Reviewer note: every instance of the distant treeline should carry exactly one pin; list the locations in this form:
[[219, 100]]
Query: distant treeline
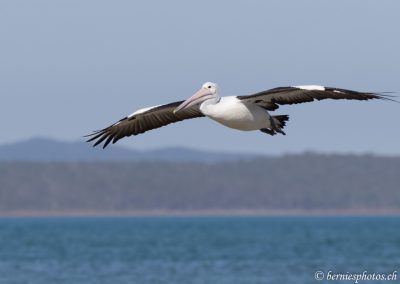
[[302, 182]]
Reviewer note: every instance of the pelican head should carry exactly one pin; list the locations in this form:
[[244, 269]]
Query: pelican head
[[208, 91]]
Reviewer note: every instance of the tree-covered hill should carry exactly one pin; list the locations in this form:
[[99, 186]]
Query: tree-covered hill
[[300, 182]]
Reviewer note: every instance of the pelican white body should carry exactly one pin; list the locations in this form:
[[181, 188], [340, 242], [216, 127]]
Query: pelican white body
[[234, 113]]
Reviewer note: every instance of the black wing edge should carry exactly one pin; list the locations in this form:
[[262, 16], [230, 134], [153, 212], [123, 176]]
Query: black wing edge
[[368, 95], [105, 133], [114, 136]]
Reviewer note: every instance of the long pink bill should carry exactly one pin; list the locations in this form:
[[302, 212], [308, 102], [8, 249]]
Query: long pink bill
[[199, 97]]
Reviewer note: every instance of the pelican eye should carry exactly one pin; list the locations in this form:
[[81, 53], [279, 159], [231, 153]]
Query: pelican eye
[[209, 87]]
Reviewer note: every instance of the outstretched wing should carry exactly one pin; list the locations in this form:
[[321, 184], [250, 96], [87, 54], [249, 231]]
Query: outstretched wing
[[143, 120], [271, 99]]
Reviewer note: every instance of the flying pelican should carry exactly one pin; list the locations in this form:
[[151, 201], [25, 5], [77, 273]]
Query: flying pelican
[[245, 113]]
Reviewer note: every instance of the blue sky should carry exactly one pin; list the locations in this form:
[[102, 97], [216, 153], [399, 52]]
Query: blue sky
[[70, 67]]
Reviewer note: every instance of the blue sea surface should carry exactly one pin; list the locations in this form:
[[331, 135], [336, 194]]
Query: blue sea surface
[[191, 250]]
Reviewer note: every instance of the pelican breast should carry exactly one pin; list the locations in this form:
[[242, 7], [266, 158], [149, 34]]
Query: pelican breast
[[235, 113]]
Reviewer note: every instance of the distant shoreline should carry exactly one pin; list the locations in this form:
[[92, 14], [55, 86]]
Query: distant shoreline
[[199, 213]]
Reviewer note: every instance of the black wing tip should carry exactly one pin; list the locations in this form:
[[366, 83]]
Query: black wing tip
[[384, 96], [98, 137], [380, 96], [366, 95], [101, 136], [105, 133]]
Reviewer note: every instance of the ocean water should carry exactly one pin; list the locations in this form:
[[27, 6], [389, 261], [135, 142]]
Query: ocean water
[[217, 250]]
